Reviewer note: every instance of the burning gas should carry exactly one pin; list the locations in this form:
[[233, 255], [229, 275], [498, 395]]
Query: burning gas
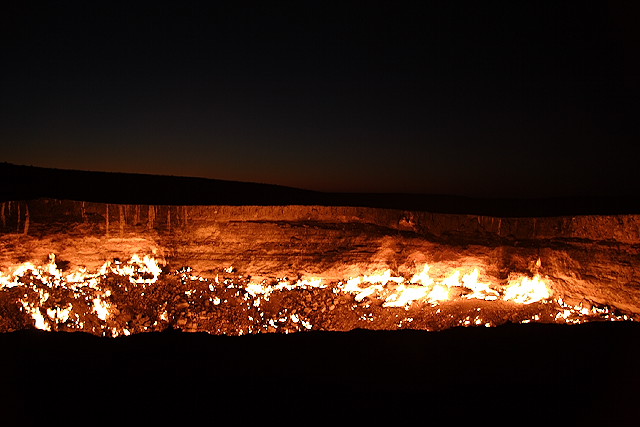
[[143, 294]]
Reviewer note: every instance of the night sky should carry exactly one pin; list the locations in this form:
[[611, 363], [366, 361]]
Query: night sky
[[489, 99]]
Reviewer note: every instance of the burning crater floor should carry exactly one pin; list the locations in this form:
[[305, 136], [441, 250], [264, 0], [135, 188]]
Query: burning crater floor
[[139, 295]]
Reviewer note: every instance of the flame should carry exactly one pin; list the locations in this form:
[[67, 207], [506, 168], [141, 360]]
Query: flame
[[59, 314], [478, 290], [405, 295], [422, 287], [255, 289], [383, 278], [101, 308], [423, 277], [138, 270], [440, 292], [527, 291], [353, 286], [36, 315], [453, 280]]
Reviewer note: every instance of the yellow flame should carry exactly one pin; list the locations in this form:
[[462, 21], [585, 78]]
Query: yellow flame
[[405, 295], [527, 291], [423, 277], [453, 280], [37, 316], [440, 292], [255, 289], [382, 278], [58, 314], [101, 308], [137, 269], [478, 290]]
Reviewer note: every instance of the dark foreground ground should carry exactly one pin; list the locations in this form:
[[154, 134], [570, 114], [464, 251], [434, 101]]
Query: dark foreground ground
[[514, 375]]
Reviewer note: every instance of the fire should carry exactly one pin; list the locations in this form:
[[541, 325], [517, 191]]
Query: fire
[[527, 291], [265, 290], [478, 290], [439, 292], [421, 287], [38, 318], [81, 299], [423, 277], [101, 308], [59, 314], [145, 270], [405, 295], [353, 285]]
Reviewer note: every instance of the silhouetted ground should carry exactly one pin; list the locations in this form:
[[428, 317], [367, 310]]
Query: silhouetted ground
[[514, 374], [28, 182]]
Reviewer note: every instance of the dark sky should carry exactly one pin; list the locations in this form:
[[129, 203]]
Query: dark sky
[[489, 99]]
